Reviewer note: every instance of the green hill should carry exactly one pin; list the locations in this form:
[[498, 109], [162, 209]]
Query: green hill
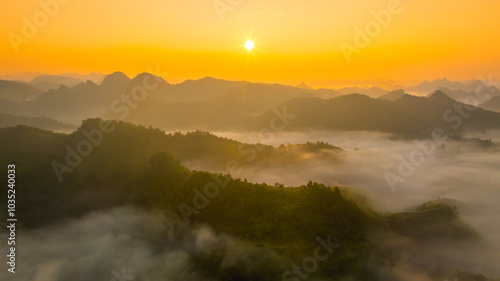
[[134, 165]]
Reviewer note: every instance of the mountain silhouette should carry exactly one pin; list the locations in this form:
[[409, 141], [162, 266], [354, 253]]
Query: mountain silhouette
[[373, 92], [409, 115], [472, 96], [216, 104], [116, 81], [493, 104], [17, 91], [394, 95], [9, 120], [431, 86], [304, 86], [52, 82]]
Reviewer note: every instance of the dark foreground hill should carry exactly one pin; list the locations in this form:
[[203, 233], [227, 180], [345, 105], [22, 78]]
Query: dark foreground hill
[[134, 166]]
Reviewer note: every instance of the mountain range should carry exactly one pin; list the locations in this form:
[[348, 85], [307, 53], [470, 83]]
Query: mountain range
[[426, 87], [11, 91], [409, 115], [216, 104]]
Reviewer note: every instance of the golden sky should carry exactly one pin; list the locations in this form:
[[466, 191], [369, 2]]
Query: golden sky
[[295, 40]]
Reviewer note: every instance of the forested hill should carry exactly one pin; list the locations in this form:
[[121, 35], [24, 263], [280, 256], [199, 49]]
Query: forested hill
[[134, 166]]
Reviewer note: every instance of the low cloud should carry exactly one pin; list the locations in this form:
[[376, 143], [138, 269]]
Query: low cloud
[[128, 244]]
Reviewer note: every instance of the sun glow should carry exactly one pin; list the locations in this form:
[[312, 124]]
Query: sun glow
[[249, 45]]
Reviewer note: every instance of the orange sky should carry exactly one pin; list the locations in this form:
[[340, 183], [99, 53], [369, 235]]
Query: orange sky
[[295, 40]]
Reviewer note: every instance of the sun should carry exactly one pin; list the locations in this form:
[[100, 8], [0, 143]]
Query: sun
[[249, 45]]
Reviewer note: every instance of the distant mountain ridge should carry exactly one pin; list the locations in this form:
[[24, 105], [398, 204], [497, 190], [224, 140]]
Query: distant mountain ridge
[[473, 86], [29, 76], [394, 95], [493, 104], [9, 120], [87, 99], [402, 116], [477, 96], [373, 92], [52, 82], [217, 104], [13, 91]]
